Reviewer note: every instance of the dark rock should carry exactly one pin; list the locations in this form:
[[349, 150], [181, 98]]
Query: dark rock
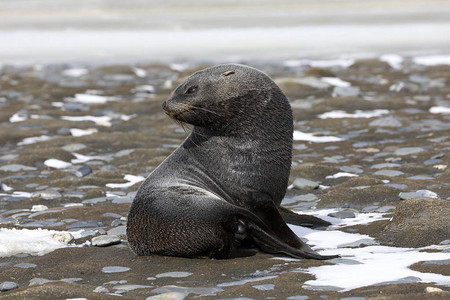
[[342, 215], [83, 171]]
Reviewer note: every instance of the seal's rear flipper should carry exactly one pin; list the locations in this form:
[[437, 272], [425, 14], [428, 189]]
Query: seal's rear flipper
[[268, 243], [293, 218]]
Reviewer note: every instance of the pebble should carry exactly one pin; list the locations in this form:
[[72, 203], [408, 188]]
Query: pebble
[[47, 195], [385, 165], [342, 215], [397, 185], [418, 194], [63, 237], [39, 207], [115, 269], [174, 274], [389, 173], [386, 122], [25, 265], [119, 230], [346, 91], [408, 151], [105, 240], [421, 177], [8, 285], [16, 168], [84, 224], [432, 289], [305, 184], [101, 289], [73, 147], [168, 296], [83, 171], [39, 281]]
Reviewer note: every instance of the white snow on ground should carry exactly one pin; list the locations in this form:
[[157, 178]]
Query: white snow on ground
[[439, 110], [34, 242], [310, 137], [370, 265], [132, 179], [366, 114], [56, 163], [432, 60]]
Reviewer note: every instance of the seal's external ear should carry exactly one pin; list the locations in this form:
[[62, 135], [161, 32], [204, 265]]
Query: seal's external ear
[[227, 73]]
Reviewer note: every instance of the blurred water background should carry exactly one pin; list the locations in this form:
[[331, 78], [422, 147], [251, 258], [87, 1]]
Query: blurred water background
[[104, 31]]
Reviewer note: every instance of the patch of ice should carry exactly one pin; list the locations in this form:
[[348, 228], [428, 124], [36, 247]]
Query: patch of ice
[[34, 242], [371, 262], [17, 118], [432, 60], [101, 120], [81, 132], [178, 67], [343, 63], [75, 72], [91, 99], [310, 137], [377, 264], [339, 114], [32, 140], [342, 174], [132, 179], [440, 110], [56, 163], [5, 188], [127, 117], [335, 81], [394, 60], [140, 72], [80, 158]]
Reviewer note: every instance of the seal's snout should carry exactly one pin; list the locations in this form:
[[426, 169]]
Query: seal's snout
[[164, 105]]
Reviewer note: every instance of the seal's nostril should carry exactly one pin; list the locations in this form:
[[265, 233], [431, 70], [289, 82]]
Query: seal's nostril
[[164, 105]]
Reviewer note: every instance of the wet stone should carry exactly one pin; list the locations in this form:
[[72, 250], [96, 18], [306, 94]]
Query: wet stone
[[348, 91], [83, 171], [119, 230], [351, 169], [85, 224], [385, 165], [47, 195], [408, 151], [305, 184], [16, 168], [115, 269], [389, 173], [25, 265], [8, 285], [432, 289], [73, 147], [421, 177], [386, 122], [101, 289], [105, 240], [418, 194], [342, 215], [397, 185]]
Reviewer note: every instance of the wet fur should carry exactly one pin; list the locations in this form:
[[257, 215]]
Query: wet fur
[[221, 190]]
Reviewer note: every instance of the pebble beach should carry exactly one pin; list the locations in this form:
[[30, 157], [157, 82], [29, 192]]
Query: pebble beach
[[371, 155]]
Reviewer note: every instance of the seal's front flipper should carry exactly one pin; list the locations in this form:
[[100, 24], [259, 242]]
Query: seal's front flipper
[[291, 217]]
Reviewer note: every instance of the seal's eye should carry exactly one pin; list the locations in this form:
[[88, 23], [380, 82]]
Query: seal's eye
[[191, 90]]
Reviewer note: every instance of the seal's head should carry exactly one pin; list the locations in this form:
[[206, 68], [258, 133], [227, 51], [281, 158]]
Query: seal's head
[[224, 95]]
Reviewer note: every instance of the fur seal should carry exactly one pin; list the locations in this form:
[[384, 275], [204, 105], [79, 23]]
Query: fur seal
[[220, 191]]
